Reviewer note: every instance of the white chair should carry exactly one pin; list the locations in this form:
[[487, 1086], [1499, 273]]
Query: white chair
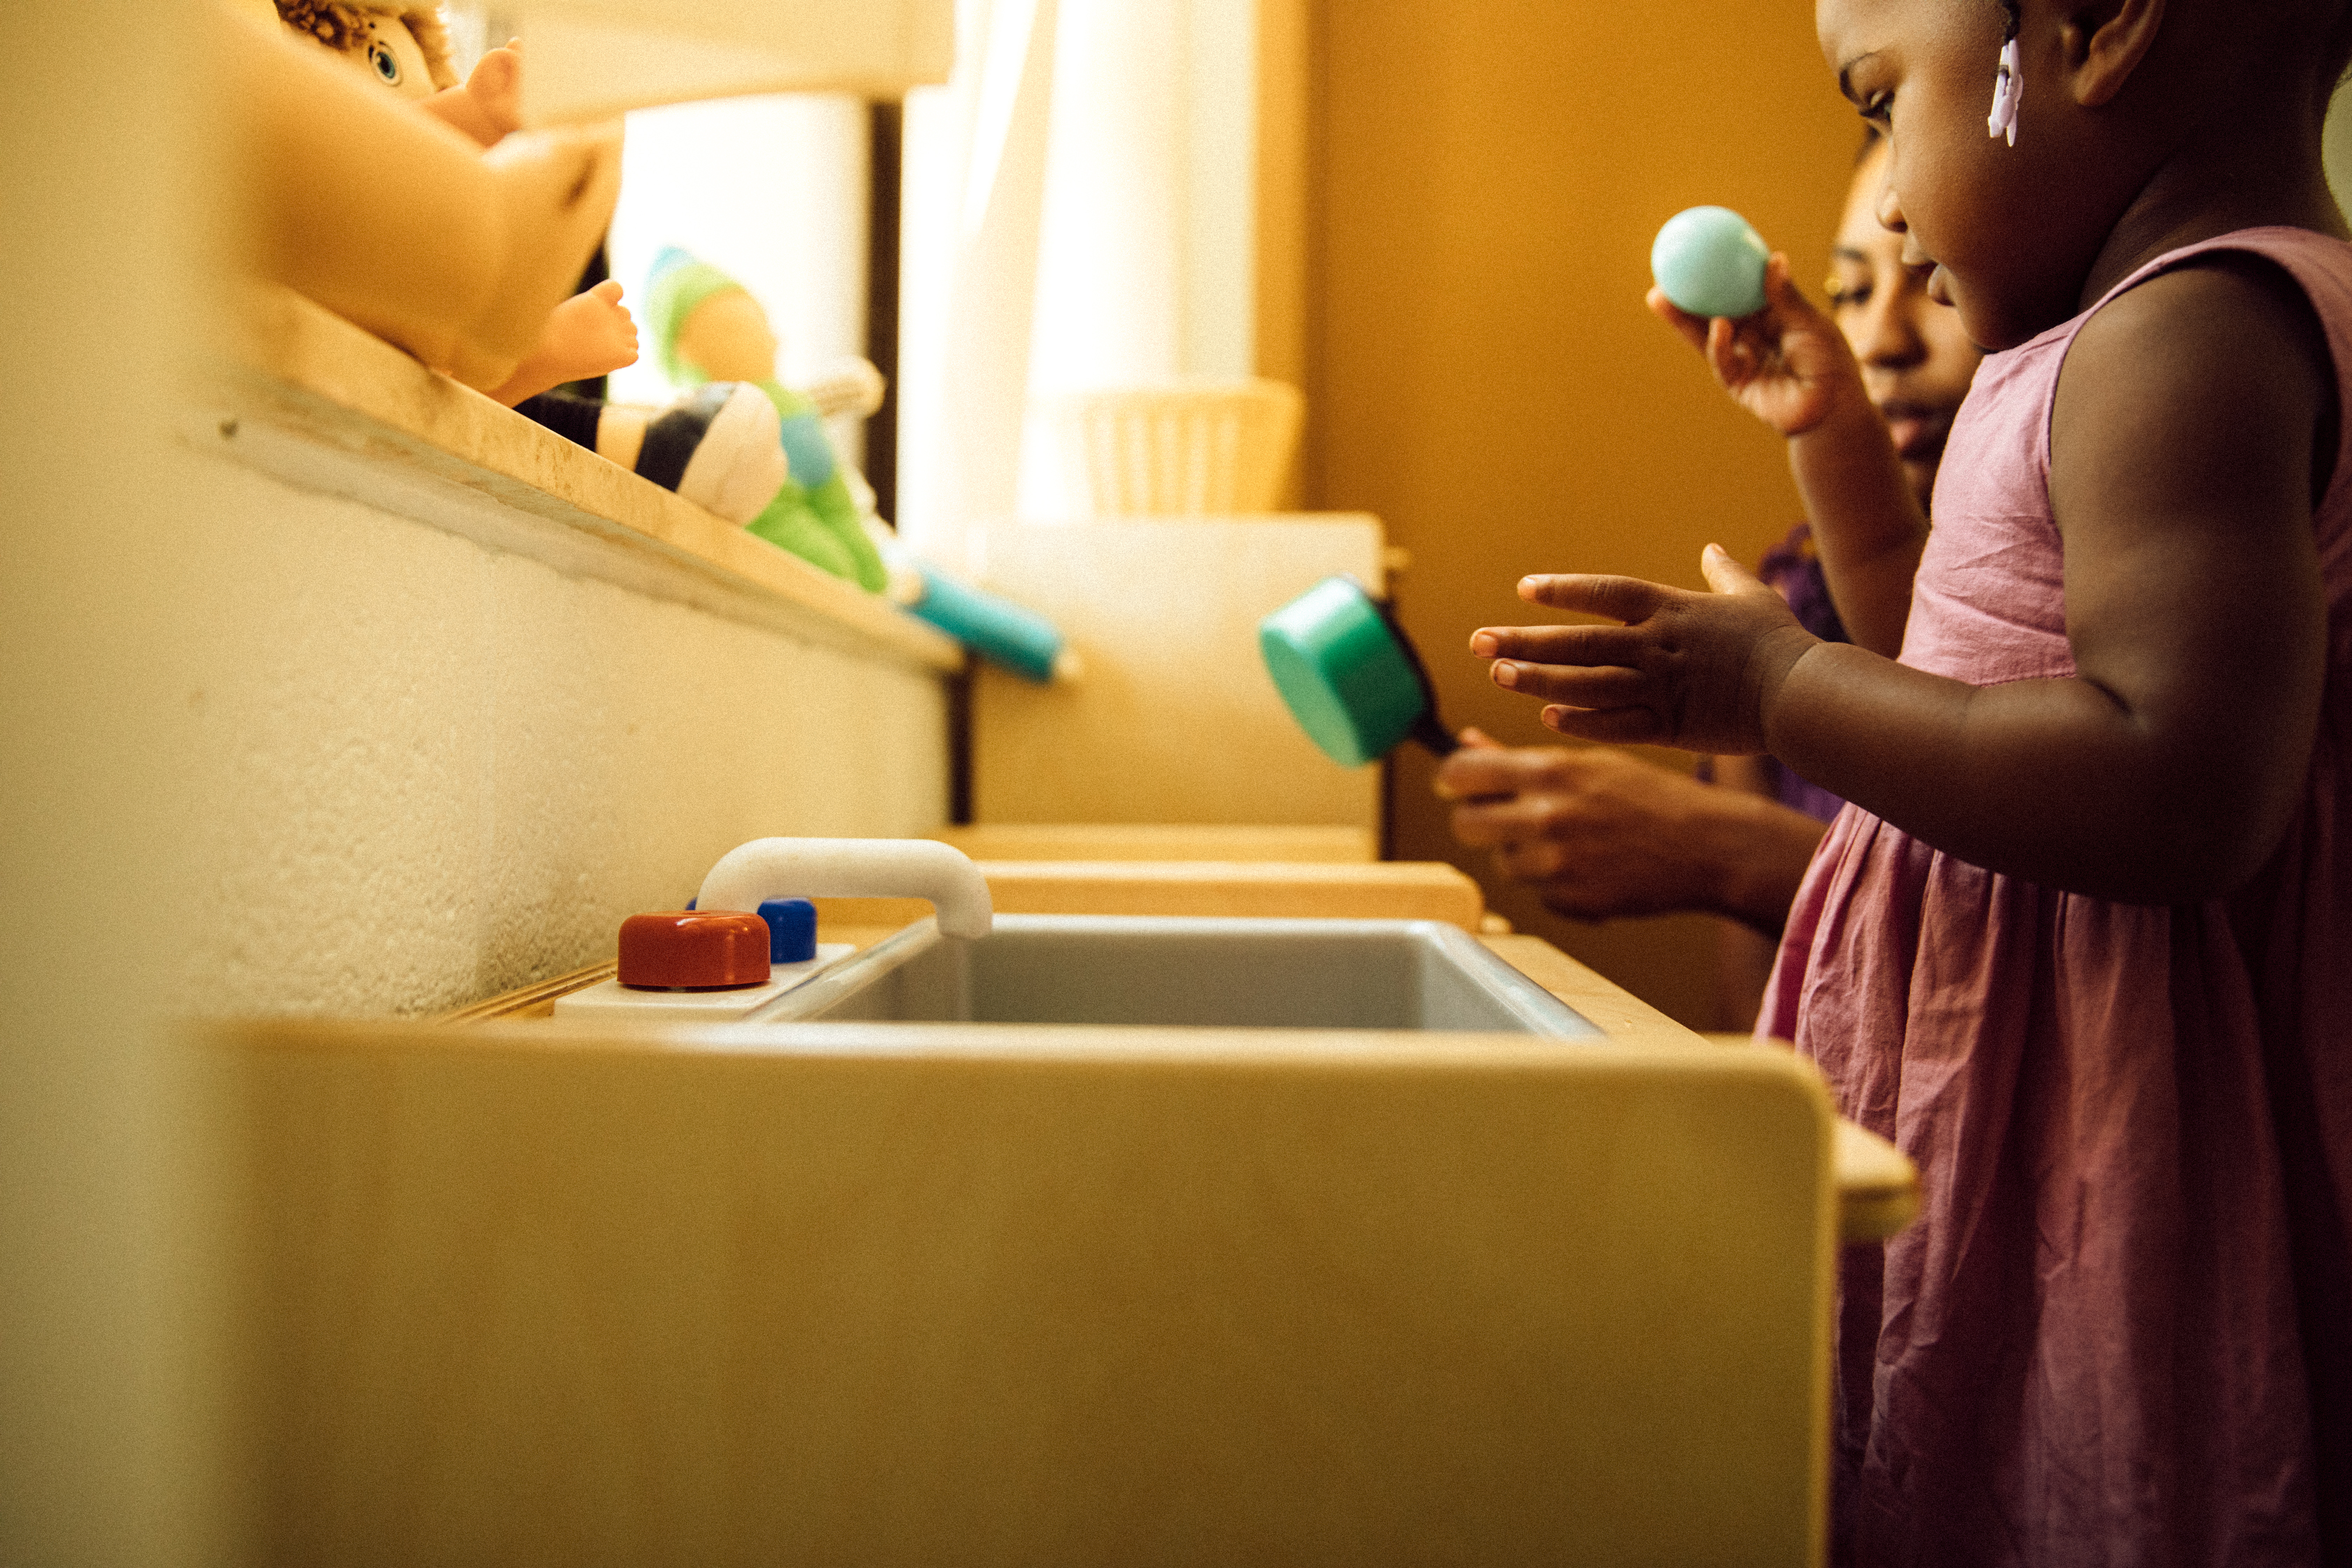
[[1189, 449]]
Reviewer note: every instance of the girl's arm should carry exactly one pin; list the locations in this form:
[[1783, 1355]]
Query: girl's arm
[[2195, 418], [1790, 366]]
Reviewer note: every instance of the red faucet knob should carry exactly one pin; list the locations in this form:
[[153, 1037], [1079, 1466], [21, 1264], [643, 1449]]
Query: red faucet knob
[[687, 950]]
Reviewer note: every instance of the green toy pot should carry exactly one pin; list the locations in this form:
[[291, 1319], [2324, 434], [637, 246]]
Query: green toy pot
[[1349, 674]]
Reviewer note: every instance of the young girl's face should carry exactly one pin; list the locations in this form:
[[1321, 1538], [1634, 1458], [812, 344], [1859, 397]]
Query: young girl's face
[[2012, 258], [1916, 360]]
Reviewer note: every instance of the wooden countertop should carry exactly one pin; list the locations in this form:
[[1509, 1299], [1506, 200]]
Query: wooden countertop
[[1878, 1187]]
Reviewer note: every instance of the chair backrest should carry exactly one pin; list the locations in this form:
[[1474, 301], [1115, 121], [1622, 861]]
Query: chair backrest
[[1179, 450]]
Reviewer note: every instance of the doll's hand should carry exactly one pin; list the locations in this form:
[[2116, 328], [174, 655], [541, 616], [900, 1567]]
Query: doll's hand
[[496, 88], [1694, 670], [1787, 365], [589, 334], [488, 107]]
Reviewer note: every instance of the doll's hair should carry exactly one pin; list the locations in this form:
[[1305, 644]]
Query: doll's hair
[[342, 27]]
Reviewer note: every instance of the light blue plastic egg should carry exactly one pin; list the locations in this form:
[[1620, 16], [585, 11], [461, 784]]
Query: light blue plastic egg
[[1710, 262]]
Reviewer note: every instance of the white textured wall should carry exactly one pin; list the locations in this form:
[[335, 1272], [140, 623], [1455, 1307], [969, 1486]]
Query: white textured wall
[[416, 771], [235, 714]]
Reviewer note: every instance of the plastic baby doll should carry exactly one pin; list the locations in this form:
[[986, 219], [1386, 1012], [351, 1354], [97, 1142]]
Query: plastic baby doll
[[706, 326], [719, 449], [455, 254], [406, 48]]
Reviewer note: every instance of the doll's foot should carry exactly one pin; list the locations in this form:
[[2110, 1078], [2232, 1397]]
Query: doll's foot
[[718, 447], [553, 193]]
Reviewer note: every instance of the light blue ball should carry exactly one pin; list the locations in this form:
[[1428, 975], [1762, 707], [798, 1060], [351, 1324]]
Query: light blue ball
[[1710, 262]]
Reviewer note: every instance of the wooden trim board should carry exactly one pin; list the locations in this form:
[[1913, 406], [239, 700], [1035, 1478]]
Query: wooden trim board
[[299, 383]]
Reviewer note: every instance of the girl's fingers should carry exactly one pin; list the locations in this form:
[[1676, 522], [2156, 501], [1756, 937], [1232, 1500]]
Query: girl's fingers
[[1560, 645], [1612, 726], [1610, 686], [1691, 329], [1623, 599], [1722, 353], [1783, 296], [1725, 575], [1487, 824], [1485, 771]]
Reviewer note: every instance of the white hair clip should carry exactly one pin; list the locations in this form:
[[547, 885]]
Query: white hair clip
[[2008, 89]]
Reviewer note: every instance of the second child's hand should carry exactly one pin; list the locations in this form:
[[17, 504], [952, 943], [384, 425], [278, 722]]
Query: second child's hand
[[1680, 668], [1787, 365]]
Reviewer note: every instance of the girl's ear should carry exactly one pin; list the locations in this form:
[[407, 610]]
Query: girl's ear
[[2102, 43]]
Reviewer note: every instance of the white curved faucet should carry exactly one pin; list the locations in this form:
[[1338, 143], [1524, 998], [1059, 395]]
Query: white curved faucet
[[852, 868]]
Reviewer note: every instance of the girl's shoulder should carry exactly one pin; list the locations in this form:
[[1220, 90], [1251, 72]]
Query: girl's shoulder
[[2015, 395], [2320, 262]]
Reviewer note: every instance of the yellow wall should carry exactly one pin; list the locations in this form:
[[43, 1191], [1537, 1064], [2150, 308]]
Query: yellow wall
[[1487, 177]]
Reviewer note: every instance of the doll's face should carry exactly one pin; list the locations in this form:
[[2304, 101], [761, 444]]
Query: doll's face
[[388, 52], [391, 54]]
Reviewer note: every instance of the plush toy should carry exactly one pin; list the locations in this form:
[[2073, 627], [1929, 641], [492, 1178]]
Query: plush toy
[[705, 327], [719, 448], [702, 323]]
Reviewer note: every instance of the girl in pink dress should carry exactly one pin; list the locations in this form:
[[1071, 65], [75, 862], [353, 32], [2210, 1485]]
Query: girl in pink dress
[[2083, 942]]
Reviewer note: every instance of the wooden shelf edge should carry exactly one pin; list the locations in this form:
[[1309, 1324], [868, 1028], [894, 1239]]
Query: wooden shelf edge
[[314, 371]]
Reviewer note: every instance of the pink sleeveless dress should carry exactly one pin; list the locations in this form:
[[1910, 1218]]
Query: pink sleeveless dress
[[2120, 1331]]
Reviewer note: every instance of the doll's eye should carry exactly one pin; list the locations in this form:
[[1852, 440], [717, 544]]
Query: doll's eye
[[386, 64]]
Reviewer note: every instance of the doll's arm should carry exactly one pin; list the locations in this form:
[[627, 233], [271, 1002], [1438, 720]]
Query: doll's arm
[[487, 108], [1790, 367], [588, 335], [456, 255]]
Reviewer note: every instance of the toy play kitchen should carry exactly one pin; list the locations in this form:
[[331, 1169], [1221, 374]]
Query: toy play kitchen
[[1049, 1237]]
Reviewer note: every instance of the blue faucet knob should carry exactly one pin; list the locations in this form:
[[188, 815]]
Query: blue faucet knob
[[791, 930]]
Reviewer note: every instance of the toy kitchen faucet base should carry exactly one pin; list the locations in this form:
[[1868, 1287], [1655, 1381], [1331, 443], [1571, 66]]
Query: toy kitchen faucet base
[[751, 937]]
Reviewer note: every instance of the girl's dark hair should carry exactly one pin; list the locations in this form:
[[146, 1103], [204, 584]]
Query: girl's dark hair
[[2335, 49], [2009, 28]]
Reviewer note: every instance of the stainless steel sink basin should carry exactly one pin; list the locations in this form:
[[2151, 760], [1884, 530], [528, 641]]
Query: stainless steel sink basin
[[1220, 974]]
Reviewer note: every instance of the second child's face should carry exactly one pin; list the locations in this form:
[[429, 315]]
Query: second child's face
[[1916, 360], [2007, 252]]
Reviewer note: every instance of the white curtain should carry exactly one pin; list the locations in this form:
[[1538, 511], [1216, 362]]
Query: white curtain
[[1080, 208], [974, 185]]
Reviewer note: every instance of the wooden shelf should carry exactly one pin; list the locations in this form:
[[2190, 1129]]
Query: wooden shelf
[[295, 382]]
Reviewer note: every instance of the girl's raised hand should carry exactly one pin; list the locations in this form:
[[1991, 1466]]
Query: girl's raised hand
[[1787, 365], [1694, 670]]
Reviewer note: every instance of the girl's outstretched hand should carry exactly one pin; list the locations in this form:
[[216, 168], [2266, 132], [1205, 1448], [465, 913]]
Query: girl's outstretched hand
[[1694, 670], [1787, 365]]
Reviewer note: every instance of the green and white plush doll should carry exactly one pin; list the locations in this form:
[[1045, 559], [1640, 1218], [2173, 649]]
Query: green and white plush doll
[[704, 327]]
